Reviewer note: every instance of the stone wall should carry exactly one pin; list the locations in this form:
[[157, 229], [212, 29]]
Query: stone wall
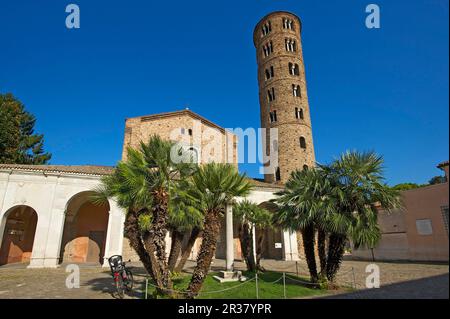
[[290, 127], [211, 142]]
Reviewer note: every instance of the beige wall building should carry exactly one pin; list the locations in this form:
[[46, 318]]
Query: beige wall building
[[208, 141], [212, 143], [419, 232]]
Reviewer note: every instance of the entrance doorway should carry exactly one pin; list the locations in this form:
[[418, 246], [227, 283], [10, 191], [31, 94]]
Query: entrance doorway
[[85, 230], [18, 235]]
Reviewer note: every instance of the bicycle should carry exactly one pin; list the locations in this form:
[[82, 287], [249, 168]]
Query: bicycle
[[123, 277]]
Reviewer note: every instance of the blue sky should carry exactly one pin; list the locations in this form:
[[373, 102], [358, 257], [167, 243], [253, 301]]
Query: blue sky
[[384, 90]]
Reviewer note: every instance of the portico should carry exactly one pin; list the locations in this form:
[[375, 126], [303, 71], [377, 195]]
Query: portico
[[49, 191], [69, 228]]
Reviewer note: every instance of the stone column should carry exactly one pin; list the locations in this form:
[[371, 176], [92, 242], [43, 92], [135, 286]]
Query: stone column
[[54, 239], [290, 247], [114, 235], [229, 237], [254, 241]]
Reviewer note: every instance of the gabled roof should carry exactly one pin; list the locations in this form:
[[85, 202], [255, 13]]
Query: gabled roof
[[178, 113]]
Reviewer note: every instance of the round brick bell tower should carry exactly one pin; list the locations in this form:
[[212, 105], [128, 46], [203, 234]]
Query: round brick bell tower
[[282, 93]]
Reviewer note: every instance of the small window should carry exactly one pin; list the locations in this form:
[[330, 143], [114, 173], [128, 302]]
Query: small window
[[277, 174], [268, 49], [288, 24], [424, 227], [299, 113], [271, 94], [305, 167], [294, 69], [266, 28], [296, 90], [444, 210], [190, 132], [290, 45], [302, 142], [269, 73], [273, 116]]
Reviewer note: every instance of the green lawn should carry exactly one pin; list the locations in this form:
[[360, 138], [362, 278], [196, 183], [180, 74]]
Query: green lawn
[[267, 288]]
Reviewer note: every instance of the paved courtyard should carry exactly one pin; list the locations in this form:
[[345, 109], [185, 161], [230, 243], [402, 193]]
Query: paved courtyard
[[398, 280]]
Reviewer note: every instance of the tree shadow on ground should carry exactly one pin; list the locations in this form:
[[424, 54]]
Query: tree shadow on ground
[[105, 284]]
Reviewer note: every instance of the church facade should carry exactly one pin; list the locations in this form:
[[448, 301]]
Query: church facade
[[46, 217]]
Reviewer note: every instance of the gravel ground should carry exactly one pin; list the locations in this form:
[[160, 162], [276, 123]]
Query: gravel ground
[[398, 280]]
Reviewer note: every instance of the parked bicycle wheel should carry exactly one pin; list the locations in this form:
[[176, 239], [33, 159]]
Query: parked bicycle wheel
[[128, 282], [120, 287]]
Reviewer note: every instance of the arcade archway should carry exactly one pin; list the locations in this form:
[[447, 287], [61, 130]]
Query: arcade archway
[[270, 238], [18, 235], [85, 230]]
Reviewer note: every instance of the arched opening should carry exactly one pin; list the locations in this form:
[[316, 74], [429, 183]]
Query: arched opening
[[277, 174], [85, 228], [302, 142], [270, 239], [18, 236]]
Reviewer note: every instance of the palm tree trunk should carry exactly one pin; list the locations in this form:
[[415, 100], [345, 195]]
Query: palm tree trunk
[[321, 247], [336, 248], [175, 248], [157, 276], [259, 242], [308, 244], [158, 233], [145, 252], [187, 250], [246, 239], [132, 232], [206, 254]]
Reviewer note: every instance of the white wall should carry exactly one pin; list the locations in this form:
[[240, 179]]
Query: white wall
[[48, 195]]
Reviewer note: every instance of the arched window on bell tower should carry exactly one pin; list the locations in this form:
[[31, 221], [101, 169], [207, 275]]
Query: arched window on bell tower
[[277, 174], [302, 142]]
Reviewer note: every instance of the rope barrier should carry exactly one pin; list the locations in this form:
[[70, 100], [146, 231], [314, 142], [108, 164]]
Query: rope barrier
[[274, 282], [284, 277], [303, 282], [201, 293], [226, 289]]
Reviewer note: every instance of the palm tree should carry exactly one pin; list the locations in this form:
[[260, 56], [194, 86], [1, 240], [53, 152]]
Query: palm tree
[[302, 207], [212, 187], [251, 216], [184, 220], [142, 184], [358, 188], [116, 186], [339, 201]]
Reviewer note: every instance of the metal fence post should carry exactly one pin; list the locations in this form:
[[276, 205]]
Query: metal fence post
[[284, 285], [256, 281], [146, 287], [296, 267], [354, 278]]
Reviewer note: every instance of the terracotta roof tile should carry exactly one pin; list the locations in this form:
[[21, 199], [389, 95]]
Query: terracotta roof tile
[[74, 169], [99, 171]]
